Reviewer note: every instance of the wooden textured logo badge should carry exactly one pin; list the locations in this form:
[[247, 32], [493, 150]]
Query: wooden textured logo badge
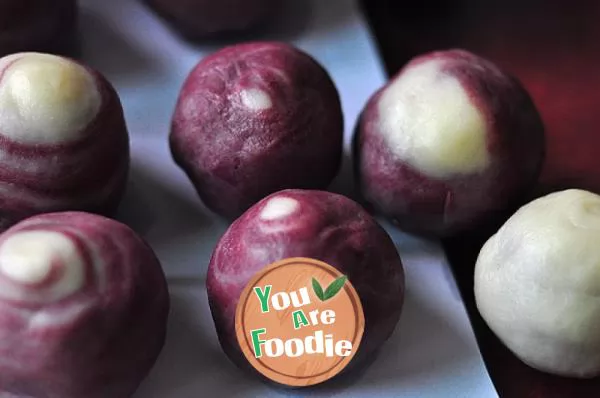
[[299, 322]]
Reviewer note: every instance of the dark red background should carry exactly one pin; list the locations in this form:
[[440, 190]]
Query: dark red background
[[553, 46]]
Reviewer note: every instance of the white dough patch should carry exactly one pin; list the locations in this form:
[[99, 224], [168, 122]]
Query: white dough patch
[[27, 257], [428, 120], [256, 99], [537, 283], [46, 99], [279, 207], [46, 319]]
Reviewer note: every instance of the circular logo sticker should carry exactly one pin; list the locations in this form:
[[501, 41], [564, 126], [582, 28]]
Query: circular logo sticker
[[299, 322]]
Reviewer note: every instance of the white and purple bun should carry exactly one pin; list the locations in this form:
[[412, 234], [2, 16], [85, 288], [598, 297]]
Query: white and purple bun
[[253, 119], [450, 140], [315, 224], [64, 143], [38, 25], [83, 308], [200, 19]]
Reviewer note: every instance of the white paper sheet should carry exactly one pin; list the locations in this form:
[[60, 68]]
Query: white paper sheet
[[433, 352]]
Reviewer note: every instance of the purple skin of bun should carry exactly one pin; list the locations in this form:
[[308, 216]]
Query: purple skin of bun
[[63, 139], [83, 308], [38, 25], [253, 119], [199, 19], [448, 142], [315, 224]]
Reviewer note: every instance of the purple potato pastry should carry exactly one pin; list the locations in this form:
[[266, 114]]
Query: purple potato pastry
[[64, 144], [447, 142], [253, 119], [315, 224], [83, 308], [38, 25], [199, 19]]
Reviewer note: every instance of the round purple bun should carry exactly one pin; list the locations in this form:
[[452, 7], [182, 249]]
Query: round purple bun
[[315, 224], [447, 142], [64, 144], [253, 119], [38, 25], [199, 19], [83, 308]]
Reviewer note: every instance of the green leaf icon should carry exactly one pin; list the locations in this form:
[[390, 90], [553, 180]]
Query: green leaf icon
[[318, 289], [335, 287]]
